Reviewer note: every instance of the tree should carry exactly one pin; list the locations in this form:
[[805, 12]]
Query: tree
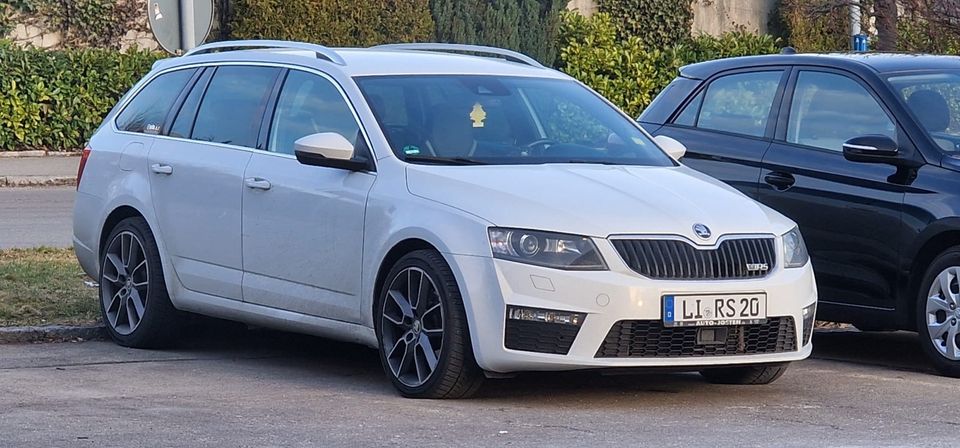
[[886, 12]]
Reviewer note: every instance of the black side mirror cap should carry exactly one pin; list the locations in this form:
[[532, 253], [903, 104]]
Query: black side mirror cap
[[873, 149], [314, 159]]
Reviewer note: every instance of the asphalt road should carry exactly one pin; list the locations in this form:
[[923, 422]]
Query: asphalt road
[[31, 217], [253, 388]]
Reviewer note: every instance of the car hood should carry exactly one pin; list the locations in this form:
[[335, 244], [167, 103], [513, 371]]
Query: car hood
[[596, 200]]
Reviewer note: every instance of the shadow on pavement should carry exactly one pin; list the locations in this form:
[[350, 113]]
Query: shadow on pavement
[[889, 350], [893, 349]]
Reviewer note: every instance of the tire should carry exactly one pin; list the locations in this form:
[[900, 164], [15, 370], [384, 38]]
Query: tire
[[929, 315], [125, 277], [750, 375], [435, 317]]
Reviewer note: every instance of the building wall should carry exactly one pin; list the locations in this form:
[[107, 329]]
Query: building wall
[[712, 16], [718, 16]]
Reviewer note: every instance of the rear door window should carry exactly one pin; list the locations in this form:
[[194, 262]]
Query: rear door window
[[146, 111], [738, 103], [232, 108]]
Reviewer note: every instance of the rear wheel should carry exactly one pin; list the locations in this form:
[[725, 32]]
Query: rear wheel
[[133, 296], [765, 374], [938, 313], [425, 344]]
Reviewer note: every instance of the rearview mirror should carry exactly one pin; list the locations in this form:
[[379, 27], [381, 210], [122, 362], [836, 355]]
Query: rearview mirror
[[872, 149], [328, 149], [674, 149]]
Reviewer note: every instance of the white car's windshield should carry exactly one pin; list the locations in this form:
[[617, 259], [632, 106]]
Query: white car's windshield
[[464, 119], [934, 99]]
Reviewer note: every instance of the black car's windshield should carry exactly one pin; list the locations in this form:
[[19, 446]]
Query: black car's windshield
[[934, 99], [468, 119]]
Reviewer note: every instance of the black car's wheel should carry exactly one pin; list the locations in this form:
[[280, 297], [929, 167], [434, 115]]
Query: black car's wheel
[[938, 312], [133, 297], [764, 374], [422, 327]]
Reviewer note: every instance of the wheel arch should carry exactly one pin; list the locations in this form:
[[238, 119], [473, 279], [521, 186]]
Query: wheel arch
[[115, 217], [393, 255], [938, 238]]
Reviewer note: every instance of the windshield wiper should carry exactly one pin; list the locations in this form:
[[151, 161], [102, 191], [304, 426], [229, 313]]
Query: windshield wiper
[[444, 160], [588, 161]]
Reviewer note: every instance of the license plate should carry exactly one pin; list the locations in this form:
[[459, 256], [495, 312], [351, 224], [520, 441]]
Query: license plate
[[714, 310]]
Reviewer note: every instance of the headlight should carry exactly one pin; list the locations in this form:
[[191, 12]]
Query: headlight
[[794, 250], [554, 250]]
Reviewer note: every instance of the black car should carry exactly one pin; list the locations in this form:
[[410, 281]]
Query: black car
[[863, 151]]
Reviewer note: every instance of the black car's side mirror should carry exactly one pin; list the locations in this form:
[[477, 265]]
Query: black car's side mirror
[[872, 149]]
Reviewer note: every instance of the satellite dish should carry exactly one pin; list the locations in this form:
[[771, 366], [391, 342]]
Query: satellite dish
[[180, 25]]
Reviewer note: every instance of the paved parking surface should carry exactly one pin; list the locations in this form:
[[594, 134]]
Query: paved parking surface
[[251, 388]]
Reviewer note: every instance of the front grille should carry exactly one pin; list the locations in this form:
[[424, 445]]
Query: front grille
[[650, 339], [680, 260], [539, 337]]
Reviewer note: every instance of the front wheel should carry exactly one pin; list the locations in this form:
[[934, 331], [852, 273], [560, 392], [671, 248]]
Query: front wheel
[[938, 313], [752, 375], [425, 344]]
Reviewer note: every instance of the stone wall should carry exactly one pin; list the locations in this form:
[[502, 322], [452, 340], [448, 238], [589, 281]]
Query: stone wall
[[36, 32]]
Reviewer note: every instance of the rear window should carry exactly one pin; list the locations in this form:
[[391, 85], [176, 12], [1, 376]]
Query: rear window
[[146, 111]]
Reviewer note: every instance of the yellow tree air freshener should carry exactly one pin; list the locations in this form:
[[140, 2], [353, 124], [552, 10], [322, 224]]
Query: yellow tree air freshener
[[478, 115]]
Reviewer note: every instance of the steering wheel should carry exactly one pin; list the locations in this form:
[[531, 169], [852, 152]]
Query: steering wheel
[[543, 143]]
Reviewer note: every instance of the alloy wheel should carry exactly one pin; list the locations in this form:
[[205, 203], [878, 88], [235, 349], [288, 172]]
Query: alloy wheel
[[124, 283], [943, 313], [412, 326]]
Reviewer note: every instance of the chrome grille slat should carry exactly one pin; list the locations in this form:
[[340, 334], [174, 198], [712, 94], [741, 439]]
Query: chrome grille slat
[[670, 259]]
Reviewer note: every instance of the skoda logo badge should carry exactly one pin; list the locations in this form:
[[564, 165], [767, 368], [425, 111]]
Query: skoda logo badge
[[701, 230]]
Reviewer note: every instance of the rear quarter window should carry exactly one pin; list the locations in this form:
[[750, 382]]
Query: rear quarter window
[[147, 110], [739, 103]]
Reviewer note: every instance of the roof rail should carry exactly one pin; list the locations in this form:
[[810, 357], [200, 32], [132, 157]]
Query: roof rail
[[509, 55], [321, 51]]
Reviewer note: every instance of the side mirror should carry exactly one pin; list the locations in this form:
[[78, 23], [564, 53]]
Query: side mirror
[[675, 149], [328, 149], [872, 149]]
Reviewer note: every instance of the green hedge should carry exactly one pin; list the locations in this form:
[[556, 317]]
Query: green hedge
[[630, 73], [348, 23], [528, 26], [54, 100]]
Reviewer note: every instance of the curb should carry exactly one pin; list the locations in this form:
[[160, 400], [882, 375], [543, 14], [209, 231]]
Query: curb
[[37, 153], [51, 333], [37, 181]]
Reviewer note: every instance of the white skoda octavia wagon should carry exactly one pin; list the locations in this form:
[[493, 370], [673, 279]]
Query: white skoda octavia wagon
[[464, 210]]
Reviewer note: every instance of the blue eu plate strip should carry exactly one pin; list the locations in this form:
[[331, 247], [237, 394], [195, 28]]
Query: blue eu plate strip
[[668, 308]]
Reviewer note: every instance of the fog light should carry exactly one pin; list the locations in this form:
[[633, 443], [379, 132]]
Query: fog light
[[809, 317], [544, 316]]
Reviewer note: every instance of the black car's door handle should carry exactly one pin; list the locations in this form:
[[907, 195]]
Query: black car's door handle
[[780, 181]]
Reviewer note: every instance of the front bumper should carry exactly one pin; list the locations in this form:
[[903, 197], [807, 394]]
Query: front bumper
[[489, 285]]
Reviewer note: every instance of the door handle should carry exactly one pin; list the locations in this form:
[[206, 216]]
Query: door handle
[[257, 183], [160, 168], [780, 181]]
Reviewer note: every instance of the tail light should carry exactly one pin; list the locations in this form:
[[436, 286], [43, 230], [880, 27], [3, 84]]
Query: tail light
[[83, 164]]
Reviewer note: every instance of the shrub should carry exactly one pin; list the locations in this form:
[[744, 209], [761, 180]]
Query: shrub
[[528, 26], [656, 23], [816, 25], [332, 22], [630, 73], [55, 99]]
